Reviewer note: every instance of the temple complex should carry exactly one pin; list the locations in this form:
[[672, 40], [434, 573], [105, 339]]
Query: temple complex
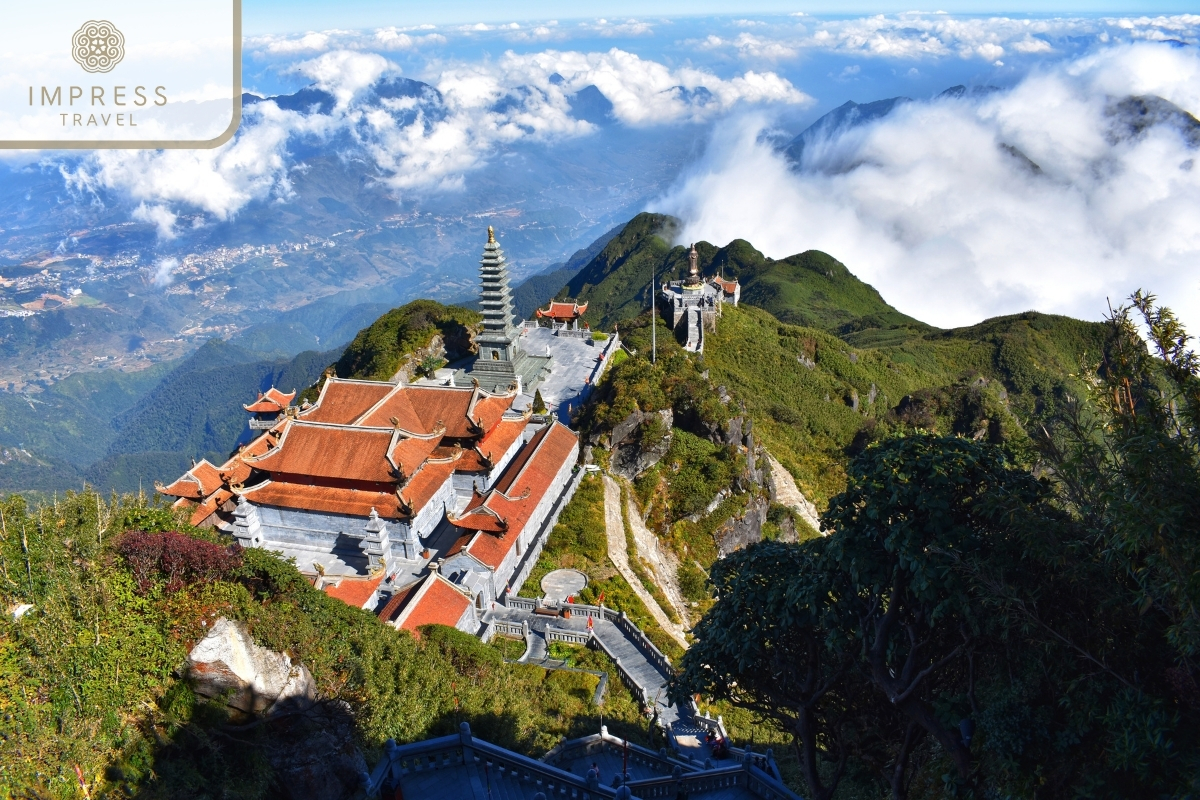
[[423, 502], [693, 305]]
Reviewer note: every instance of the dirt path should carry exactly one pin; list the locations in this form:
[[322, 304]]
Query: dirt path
[[663, 564], [789, 494], [614, 526]]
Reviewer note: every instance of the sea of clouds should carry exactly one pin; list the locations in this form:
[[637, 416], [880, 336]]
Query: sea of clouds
[[931, 205], [927, 204]]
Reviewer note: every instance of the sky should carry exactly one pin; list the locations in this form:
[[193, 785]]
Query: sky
[[288, 16], [1033, 191]]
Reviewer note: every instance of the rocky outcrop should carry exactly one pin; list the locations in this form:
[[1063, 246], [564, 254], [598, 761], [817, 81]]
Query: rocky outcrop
[[227, 665], [738, 532], [783, 490], [640, 441], [316, 757]]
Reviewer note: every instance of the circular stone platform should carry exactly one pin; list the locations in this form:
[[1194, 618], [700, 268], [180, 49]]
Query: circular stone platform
[[563, 583]]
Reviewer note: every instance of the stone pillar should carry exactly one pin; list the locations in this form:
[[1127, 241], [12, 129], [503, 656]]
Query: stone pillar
[[406, 544], [376, 544], [247, 529]]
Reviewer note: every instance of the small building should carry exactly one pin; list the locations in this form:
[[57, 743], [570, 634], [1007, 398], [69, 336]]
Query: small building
[[267, 409], [564, 318], [693, 305]]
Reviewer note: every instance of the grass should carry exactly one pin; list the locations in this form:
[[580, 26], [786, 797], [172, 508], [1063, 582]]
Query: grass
[[639, 568], [89, 678], [579, 541]]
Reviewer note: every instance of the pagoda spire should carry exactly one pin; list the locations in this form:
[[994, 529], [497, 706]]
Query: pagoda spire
[[496, 298]]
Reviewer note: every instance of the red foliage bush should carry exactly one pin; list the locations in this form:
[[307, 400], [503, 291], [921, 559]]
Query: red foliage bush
[[176, 558]]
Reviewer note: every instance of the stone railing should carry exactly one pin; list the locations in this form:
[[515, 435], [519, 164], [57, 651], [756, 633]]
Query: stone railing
[[524, 603], [748, 777], [653, 654], [554, 634], [573, 749], [690, 782], [503, 628], [463, 750], [626, 676]]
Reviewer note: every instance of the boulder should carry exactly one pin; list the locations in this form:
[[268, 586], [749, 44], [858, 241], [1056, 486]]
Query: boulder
[[632, 453], [227, 664]]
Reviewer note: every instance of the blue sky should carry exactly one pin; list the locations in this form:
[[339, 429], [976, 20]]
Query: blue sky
[[288, 16]]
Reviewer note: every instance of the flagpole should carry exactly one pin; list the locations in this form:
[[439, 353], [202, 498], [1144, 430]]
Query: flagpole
[[653, 321]]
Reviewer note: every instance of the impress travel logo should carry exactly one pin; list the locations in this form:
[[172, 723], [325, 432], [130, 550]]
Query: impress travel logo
[[98, 46], [168, 77]]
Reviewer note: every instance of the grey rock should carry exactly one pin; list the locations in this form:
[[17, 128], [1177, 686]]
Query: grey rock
[[228, 665], [635, 455], [738, 532]]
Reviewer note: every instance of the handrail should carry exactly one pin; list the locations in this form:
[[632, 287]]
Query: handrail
[[571, 749], [462, 748]]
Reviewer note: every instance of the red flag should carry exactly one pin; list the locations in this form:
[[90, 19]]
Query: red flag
[[600, 599]]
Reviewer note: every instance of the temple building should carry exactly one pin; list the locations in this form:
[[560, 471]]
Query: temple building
[[502, 362], [424, 503], [693, 305], [565, 318], [268, 407]]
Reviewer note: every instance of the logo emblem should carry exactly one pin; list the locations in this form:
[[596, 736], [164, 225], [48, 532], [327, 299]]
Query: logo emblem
[[98, 46]]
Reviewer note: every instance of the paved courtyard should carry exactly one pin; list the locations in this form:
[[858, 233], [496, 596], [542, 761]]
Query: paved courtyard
[[577, 364]]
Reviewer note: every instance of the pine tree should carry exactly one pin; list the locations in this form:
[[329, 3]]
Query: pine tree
[[539, 405]]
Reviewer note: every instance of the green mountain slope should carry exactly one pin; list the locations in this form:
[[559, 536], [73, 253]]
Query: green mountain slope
[[537, 290], [809, 288], [819, 360], [197, 409], [383, 347], [616, 282]]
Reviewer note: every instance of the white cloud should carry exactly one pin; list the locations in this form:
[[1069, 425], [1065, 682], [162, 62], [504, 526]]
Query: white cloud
[[344, 74], [164, 271], [918, 35], [158, 215], [645, 92], [417, 143], [932, 207]]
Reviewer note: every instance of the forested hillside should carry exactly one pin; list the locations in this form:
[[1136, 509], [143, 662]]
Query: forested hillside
[[123, 431]]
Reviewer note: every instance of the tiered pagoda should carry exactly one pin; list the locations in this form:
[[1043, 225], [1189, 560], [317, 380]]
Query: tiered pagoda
[[502, 363]]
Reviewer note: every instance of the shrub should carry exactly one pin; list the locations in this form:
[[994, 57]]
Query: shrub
[[175, 558]]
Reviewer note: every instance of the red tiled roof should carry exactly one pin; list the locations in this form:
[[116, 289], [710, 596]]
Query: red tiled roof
[[505, 510], [420, 409], [398, 601], [727, 285], [342, 402], [328, 451], [563, 310], [197, 483], [355, 592], [270, 401], [185, 486], [410, 454], [422, 486], [438, 602], [333, 500]]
